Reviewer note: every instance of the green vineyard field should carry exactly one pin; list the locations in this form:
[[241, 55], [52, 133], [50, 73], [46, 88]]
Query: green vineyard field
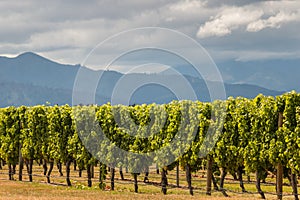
[[239, 138]]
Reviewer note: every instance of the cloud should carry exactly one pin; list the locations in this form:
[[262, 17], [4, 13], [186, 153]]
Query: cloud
[[66, 31], [273, 22], [238, 3], [254, 16], [61, 26], [187, 6], [230, 19]]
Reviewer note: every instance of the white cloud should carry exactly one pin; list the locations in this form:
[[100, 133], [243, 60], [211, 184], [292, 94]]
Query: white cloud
[[254, 17], [230, 19], [188, 5], [273, 22]]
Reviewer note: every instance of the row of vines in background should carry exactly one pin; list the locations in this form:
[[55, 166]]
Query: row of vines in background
[[259, 135]]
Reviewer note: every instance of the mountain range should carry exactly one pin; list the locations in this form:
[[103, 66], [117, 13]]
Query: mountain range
[[274, 74], [31, 79]]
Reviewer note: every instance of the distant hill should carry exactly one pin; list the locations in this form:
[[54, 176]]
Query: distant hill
[[30, 79], [30, 68], [275, 74]]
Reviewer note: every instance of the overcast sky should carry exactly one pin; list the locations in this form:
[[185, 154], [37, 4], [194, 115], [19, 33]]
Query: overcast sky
[[66, 31]]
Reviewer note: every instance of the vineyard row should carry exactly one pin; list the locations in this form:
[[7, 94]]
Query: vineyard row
[[237, 136]]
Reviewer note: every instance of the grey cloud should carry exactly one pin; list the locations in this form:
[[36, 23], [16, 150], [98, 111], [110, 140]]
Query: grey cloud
[[67, 30], [217, 3]]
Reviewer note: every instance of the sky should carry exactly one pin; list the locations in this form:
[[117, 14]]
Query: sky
[[67, 31]]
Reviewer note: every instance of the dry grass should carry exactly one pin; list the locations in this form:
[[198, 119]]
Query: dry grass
[[123, 189], [24, 190]]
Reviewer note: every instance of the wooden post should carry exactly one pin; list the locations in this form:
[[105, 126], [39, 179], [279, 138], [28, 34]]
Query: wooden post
[[10, 172], [75, 164], [136, 188], [112, 178], [89, 174], [157, 169], [80, 173], [279, 181], [93, 171], [280, 119], [209, 175], [177, 175], [21, 164], [279, 175], [30, 169], [189, 178]]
